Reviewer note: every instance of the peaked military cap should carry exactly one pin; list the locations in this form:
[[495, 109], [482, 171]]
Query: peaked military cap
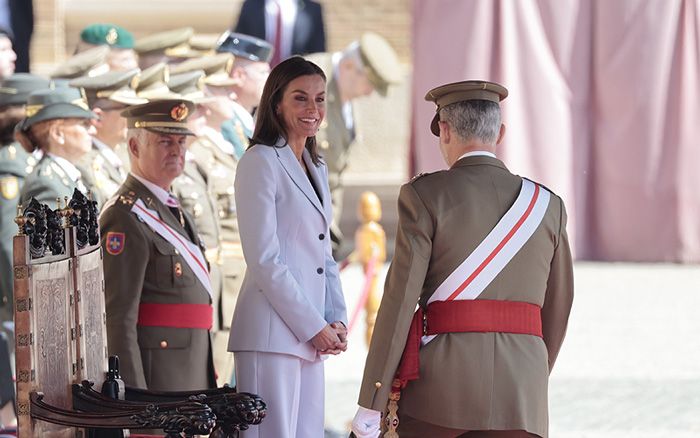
[[117, 86], [462, 91], [245, 46], [101, 34], [168, 116], [58, 103], [380, 60], [91, 62], [190, 86], [152, 83], [216, 67], [15, 89], [172, 42]]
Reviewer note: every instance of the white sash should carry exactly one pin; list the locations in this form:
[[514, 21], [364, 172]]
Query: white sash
[[515, 228], [189, 251]]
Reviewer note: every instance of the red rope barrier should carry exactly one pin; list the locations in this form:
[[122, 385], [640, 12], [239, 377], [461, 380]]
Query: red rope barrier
[[369, 276]]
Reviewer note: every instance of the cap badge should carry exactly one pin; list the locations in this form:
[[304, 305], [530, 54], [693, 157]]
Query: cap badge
[[111, 36], [179, 112]]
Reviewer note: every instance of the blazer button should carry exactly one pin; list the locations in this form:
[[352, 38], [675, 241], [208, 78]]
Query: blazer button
[[378, 384], [319, 270], [321, 236], [163, 344]]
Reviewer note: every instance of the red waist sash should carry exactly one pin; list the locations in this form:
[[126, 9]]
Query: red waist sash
[[459, 316], [196, 316]]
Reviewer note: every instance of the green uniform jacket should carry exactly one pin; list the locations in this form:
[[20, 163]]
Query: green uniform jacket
[[15, 165], [47, 182], [471, 381], [147, 268]]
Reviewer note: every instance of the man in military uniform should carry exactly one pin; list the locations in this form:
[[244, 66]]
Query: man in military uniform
[[250, 71], [366, 65], [215, 157], [167, 47], [157, 286], [107, 96], [120, 41], [485, 255], [15, 165]]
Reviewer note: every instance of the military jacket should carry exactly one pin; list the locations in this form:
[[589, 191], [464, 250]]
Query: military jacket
[[102, 177], [237, 132], [471, 381], [49, 181], [140, 266], [15, 165]]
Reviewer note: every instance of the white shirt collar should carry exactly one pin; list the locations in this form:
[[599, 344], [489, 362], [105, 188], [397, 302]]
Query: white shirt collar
[[477, 154], [160, 194], [68, 167]]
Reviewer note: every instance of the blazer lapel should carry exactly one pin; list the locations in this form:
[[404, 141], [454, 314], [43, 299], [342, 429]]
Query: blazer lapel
[[153, 203], [296, 173]]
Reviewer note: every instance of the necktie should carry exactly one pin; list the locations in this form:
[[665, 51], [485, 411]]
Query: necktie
[[174, 207], [277, 55]]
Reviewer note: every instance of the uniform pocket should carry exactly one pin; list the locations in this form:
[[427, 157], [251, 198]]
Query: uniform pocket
[[171, 268], [164, 338]]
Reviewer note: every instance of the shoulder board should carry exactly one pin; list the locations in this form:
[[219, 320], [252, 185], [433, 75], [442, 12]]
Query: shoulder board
[[420, 175], [127, 199], [540, 184]]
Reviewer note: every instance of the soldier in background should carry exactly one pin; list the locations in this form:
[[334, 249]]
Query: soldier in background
[[15, 165], [250, 71], [120, 41], [107, 96], [58, 124], [157, 286], [215, 157], [91, 62], [167, 47], [366, 65]]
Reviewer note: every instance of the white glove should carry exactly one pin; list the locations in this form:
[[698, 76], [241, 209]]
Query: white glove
[[366, 423]]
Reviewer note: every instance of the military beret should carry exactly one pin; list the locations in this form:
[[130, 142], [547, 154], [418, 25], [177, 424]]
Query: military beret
[[245, 46], [380, 60], [117, 86], [152, 83], [59, 103], [111, 35], [462, 91], [171, 42], [15, 89], [168, 116], [90, 62], [216, 67], [190, 86]]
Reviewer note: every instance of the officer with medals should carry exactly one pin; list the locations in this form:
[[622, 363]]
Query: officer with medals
[[58, 125], [158, 293], [107, 96], [15, 165], [250, 71], [366, 65], [485, 255], [215, 157]]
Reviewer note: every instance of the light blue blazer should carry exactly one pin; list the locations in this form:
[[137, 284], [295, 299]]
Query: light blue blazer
[[291, 288]]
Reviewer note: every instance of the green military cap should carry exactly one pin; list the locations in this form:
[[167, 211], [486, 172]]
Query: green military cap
[[167, 116], [462, 91], [216, 67], [117, 86], [15, 89], [111, 35], [58, 103], [190, 86], [172, 42], [91, 62], [152, 83], [380, 60]]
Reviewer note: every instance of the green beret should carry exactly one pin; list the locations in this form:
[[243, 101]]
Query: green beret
[[462, 91], [380, 60], [59, 103], [117, 86], [107, 34], [168, 116], [90, 62], [15, 89]]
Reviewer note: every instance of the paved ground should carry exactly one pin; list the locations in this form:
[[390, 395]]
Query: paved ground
[[629, 367]]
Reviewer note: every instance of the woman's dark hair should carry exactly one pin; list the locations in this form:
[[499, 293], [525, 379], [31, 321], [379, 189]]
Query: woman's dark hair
[[268, 125]]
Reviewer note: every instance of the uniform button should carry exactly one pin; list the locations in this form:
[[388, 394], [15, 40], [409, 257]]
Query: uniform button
[[378, 384], [321, 236], [163, 344], [319, 270]]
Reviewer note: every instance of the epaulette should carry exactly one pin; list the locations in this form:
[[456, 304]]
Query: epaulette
[[127, 199], [540, 184], [420, 175]]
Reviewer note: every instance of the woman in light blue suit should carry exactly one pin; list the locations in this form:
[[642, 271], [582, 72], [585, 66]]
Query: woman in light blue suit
[[291, 309]]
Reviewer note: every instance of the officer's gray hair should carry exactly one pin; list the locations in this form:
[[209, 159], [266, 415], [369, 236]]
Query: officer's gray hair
[[474, 120], [137, 133]]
